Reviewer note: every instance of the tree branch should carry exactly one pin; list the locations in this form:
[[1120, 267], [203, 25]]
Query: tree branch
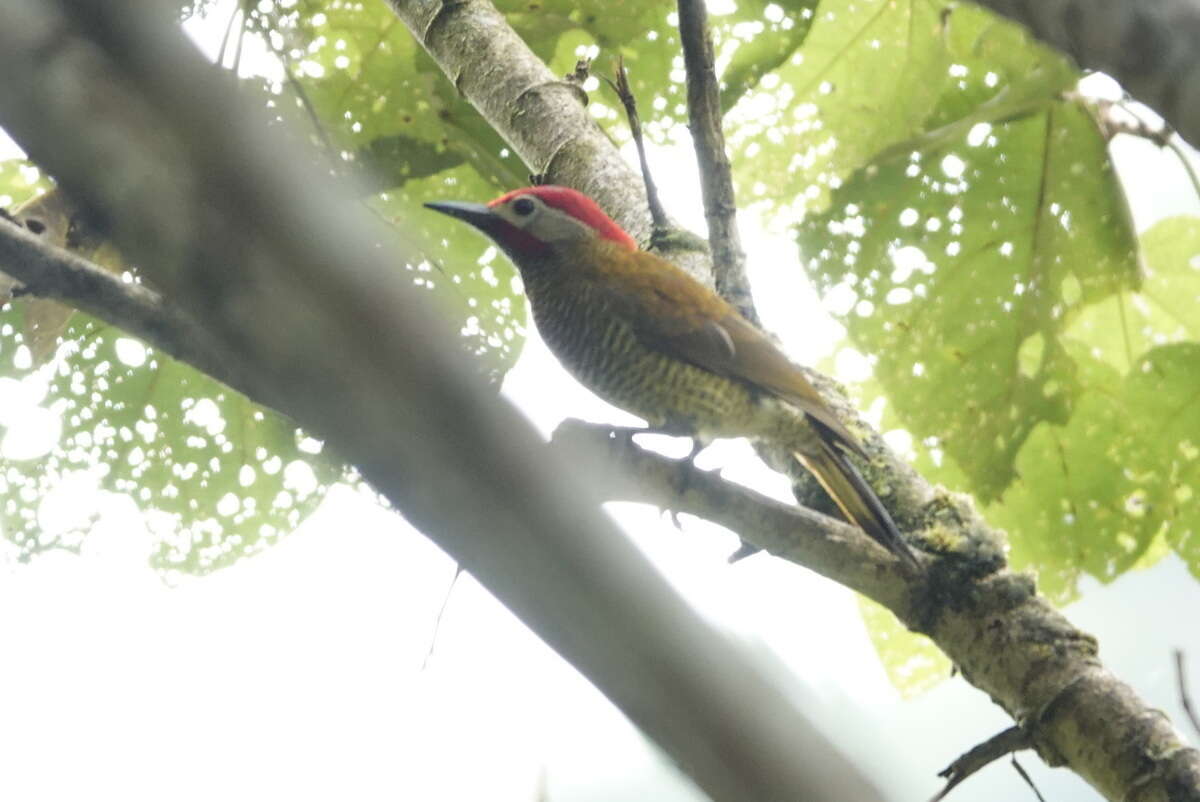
[[1147, 45], [1004, 743], [625, 94], [291, 281], [832, 548], [716, 176], [1004, 638], [47, 271]]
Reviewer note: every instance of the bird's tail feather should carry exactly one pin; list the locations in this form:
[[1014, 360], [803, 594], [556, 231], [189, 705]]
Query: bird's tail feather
[[855, 498]]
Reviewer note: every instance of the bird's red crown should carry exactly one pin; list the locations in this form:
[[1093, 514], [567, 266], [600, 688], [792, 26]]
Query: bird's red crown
[[579, 206]]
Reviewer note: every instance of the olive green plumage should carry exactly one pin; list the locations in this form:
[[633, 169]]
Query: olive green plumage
[[602, 349], [645, 336]]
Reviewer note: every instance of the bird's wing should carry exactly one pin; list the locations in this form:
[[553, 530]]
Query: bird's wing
[[674, 313]]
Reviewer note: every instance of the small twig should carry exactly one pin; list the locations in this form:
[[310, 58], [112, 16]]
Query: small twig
[[1184, 697], [1186, 161], [716, 178], [1132, 124], [994, 748], [437, 622], [1028, 780], [220, 61], [236, 69], [1162, 135], [625, 93]]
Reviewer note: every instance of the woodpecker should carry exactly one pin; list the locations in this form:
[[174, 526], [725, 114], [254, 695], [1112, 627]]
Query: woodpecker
[[647, 337]]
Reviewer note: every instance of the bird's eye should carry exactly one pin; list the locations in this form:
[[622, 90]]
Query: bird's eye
[[523, 206]]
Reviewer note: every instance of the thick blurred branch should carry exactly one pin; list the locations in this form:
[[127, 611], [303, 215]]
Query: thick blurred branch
[[1005, 640], [1147, 45], [295, 286]]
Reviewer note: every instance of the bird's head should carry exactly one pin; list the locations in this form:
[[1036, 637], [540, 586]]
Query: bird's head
[[534, 221]]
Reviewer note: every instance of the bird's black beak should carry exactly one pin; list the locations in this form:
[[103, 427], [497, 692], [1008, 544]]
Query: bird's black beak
[[476, 214]]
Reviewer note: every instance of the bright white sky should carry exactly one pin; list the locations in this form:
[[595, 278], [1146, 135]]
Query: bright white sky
[[298, 674]]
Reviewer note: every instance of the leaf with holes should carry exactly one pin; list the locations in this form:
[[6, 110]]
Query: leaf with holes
[[216, 476], [1093, 495], [877, 77], [958, 268], [374, 93]]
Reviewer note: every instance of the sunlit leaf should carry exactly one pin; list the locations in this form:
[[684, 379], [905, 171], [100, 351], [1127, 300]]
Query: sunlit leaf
[[1094, 495], [912, 662], [872, 76], [1162, 310], [381, 110], [84, 408], [216, 476], [957, 268]]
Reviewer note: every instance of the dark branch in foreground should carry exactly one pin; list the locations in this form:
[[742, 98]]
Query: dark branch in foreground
[[1011, 740], [294, 283], [716, 177]]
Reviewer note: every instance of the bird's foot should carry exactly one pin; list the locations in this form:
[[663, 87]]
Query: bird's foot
[[687, 466]]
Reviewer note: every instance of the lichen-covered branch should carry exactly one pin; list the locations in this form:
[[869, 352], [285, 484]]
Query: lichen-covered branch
[[1004, 638], [1147, 45]]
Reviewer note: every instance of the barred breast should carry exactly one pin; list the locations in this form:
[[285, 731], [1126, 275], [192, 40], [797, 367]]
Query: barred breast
[[602, 351]]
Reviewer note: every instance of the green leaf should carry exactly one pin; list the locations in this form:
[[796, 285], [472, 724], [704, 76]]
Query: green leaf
[[216, 476], [762, 46], [912, 662], [876, 76], [1163, 309], [1065, 514], [958, 269], [464, 273], [1095, 495], [750, 42], [376, 94], [20, 181], [1163, 389]]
